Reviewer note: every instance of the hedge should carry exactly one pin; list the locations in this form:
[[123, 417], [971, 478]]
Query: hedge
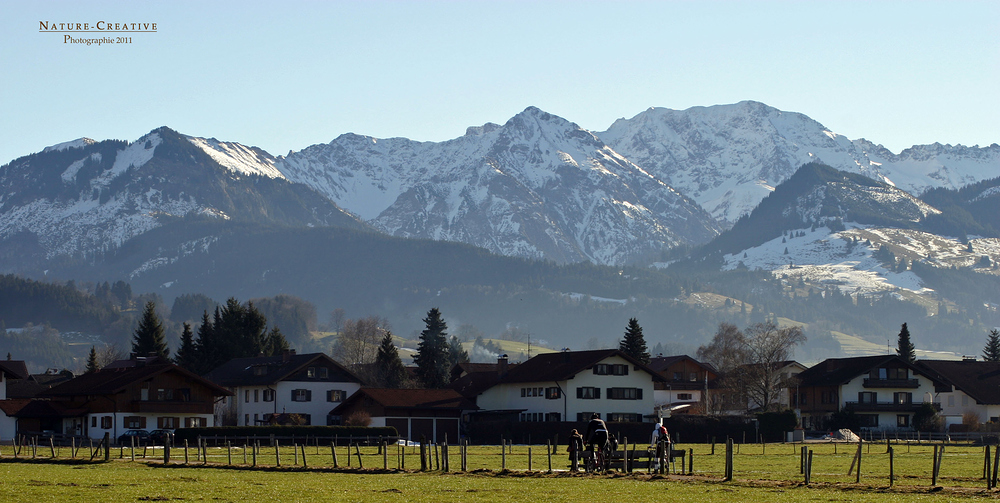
[[192, 434]]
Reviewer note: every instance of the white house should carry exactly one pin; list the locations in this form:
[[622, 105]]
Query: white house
[[10, 369], [572, 385], [972, 388], [269, 388], [884, 392]]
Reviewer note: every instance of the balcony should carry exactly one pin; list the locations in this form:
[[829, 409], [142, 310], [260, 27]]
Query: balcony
[[886, 406], [172, 407], [892, 383]]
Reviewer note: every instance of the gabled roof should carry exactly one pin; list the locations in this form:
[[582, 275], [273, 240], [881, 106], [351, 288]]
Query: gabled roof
[[550, 367], [12, 406], [48, 409], [35, 384], [114, 379], [410, 399], [662, 363], [14, 369], [838, 371], [240, 371], [980, 380]]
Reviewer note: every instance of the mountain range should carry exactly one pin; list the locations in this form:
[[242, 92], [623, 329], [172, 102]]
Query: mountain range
[[386, 225]]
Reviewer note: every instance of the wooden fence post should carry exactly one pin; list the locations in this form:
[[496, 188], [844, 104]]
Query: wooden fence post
[[277, 454], [357, 450], [304, 464], [548, 450], [892, 470], [934, 467], [333, 453], [107, 446], [729, 460]]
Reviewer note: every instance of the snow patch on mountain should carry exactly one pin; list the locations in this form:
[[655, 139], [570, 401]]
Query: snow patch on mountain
[[77, 143], [844, 259], [238, 158]]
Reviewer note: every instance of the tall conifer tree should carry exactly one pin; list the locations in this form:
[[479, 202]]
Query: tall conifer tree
[[904, 348], [149, 337], [432, 352], [634, 344], [991, 352], [389, 369], [187, 356], [92, 361]]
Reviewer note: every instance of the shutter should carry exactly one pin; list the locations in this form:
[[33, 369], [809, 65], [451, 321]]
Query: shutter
[[626, 369], [142, 422], [329, 395], [638, 393], [309, 395], [579, 392], [597, 392], [293, 395], [610, 396]]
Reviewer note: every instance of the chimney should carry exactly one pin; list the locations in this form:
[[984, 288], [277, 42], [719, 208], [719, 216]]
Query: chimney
[[286, 355], [502, 365]]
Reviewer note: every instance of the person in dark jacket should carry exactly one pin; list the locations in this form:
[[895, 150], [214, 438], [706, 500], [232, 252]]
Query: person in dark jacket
[[575, 448], [597, 432]]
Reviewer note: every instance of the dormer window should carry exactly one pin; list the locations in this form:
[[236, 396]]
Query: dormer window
[[259, 370], [311, 372]]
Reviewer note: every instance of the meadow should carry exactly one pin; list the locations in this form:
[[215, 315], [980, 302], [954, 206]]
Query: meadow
[[761, 473]]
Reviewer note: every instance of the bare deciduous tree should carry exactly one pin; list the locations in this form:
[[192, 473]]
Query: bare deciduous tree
[[358, 341], [749, 361]]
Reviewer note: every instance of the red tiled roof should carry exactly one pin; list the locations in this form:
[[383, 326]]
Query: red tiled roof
[[11, 407]]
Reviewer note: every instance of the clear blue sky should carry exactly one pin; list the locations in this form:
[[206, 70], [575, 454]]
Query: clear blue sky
[[288, 75]]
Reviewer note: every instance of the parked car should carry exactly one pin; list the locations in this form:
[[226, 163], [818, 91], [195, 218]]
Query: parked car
[[159, 437], [141, 437]]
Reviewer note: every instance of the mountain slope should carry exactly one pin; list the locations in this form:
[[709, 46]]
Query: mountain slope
[[538, 187], [85, 197], [729, 157]]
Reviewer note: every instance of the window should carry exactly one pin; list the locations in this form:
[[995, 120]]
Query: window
[[902, 421], [93, 421], [693, 376], [246, 396], [200, 422], [301, 395], [256, 395], [311, 372], [246, 420], [684, 396], [259, 370], [268, 395], [164, 394], [868, 420], [585, 416], [900, 398], [951, 400], [678, 376], [615, 369], [625, 393], [965, 400], [107, 422], [167, 423], [553, 393], [184, 394], [867, 397], [588, 393], [135, 422], [553, 416], [324, 373], [256, 419], [335, 395]]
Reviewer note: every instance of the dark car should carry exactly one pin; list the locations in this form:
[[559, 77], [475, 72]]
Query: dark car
[[159, 437], [141, 437]]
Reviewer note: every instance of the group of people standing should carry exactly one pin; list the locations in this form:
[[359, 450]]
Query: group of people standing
[[597, 435]]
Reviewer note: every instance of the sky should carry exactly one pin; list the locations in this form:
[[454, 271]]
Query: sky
[[286, 75]]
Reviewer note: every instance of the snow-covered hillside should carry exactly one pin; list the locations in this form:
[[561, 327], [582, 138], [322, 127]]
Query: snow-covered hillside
[[539, 186], [844, 259], [729, 157]]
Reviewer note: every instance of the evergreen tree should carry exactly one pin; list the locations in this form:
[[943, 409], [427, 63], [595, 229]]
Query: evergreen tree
[[991, 352], [634, 344], [389, 369], [904, 348], [187, 356], [204, 346], [456, 354], [432, 352], [92, 361], [148, 337]]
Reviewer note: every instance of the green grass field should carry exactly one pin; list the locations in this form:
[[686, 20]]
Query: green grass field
[[761, 473]]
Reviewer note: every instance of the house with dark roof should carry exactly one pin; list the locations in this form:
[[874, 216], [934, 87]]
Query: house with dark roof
[[141, 393], [572, 385], [685, 385], [967, 387], [883, 391], [269, 389], [10, 370], [434, 414]]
